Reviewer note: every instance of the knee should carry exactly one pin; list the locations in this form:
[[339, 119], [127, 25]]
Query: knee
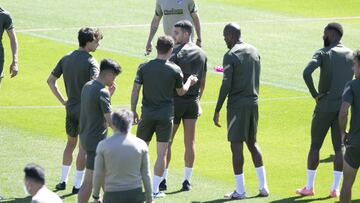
[[315, 148]]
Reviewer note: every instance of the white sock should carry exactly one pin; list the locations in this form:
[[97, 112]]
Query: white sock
[[261, 174], [64, 173], [337, 178], [79, 176], [187, 173], [165, 174], [310, 178], [156, 182], [240, 183]]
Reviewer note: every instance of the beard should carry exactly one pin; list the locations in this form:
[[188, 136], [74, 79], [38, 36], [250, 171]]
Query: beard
[[326, 42]]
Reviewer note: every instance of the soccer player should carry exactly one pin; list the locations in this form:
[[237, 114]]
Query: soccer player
[[192, 61], [351, 97], [95, 116], [6, 23], [335, 61], [77, 68], [174, 11], [35, 185], [160, 79], [123, 184], [241, 85]]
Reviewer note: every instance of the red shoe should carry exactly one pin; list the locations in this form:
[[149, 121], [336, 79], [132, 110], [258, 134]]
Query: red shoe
[[305, 192]]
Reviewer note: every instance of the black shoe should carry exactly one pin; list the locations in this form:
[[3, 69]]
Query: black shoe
[[186, 186], [75, 190], [162, 186], [61, 186]]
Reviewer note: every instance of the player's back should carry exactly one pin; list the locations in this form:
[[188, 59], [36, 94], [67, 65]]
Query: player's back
[[245, 62], [159, 78], [336, 71], [92, 122], [78, 67]]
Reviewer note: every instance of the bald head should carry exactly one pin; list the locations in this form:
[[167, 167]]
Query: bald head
[[232, 34]]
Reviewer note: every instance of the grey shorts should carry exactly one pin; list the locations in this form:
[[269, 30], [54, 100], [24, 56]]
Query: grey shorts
[[185, 109], [72, 120], [352, 156], [242, 124], [163, 129], [129, 196], [90, 160]]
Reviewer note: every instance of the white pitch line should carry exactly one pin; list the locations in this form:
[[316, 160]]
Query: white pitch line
[[205, 23], [127, 105]]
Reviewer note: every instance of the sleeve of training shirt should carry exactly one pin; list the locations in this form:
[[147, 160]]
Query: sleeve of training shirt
[[105, 104], [348, 94], [192, 6], [8, 23], [98, 169], [57, 72], [138, 77], [145, 173], [179, 78], [227, 80], [310, 68], [94, 68], [158, 10]]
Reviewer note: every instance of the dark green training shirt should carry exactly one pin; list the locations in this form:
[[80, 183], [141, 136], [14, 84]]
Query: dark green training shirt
[[5, 24], [192, 61], [241, 77], [95, 102], [335, 62], [77, 67], [159, 78], [352, 96]]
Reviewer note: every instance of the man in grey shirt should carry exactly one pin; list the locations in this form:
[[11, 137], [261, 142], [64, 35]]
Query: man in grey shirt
[[123, 182]]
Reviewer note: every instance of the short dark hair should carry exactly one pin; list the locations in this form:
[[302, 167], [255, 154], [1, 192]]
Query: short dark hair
[[87, 34], [109, 64], [164, 44], [185, 25], [122, 119], [35, 173], [357, 55], [336, 27]]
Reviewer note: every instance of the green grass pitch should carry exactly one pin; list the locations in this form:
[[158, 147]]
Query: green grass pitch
[[286, 32]]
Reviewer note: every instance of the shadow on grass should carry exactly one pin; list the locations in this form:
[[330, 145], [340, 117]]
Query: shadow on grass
[[16, 200], [173, 192], [328, 160], [66, 195], [299, 199], [226, 200]]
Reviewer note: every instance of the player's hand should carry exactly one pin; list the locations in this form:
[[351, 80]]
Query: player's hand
[[216, 119], [64, 103], [148, 48], [112, 88], [198, 42], [136, 118], [193, 79], [319, 97], [14, 69], [98, 201]]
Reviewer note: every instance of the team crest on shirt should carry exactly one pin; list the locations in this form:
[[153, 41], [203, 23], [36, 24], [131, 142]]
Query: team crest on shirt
[[180, 1]]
